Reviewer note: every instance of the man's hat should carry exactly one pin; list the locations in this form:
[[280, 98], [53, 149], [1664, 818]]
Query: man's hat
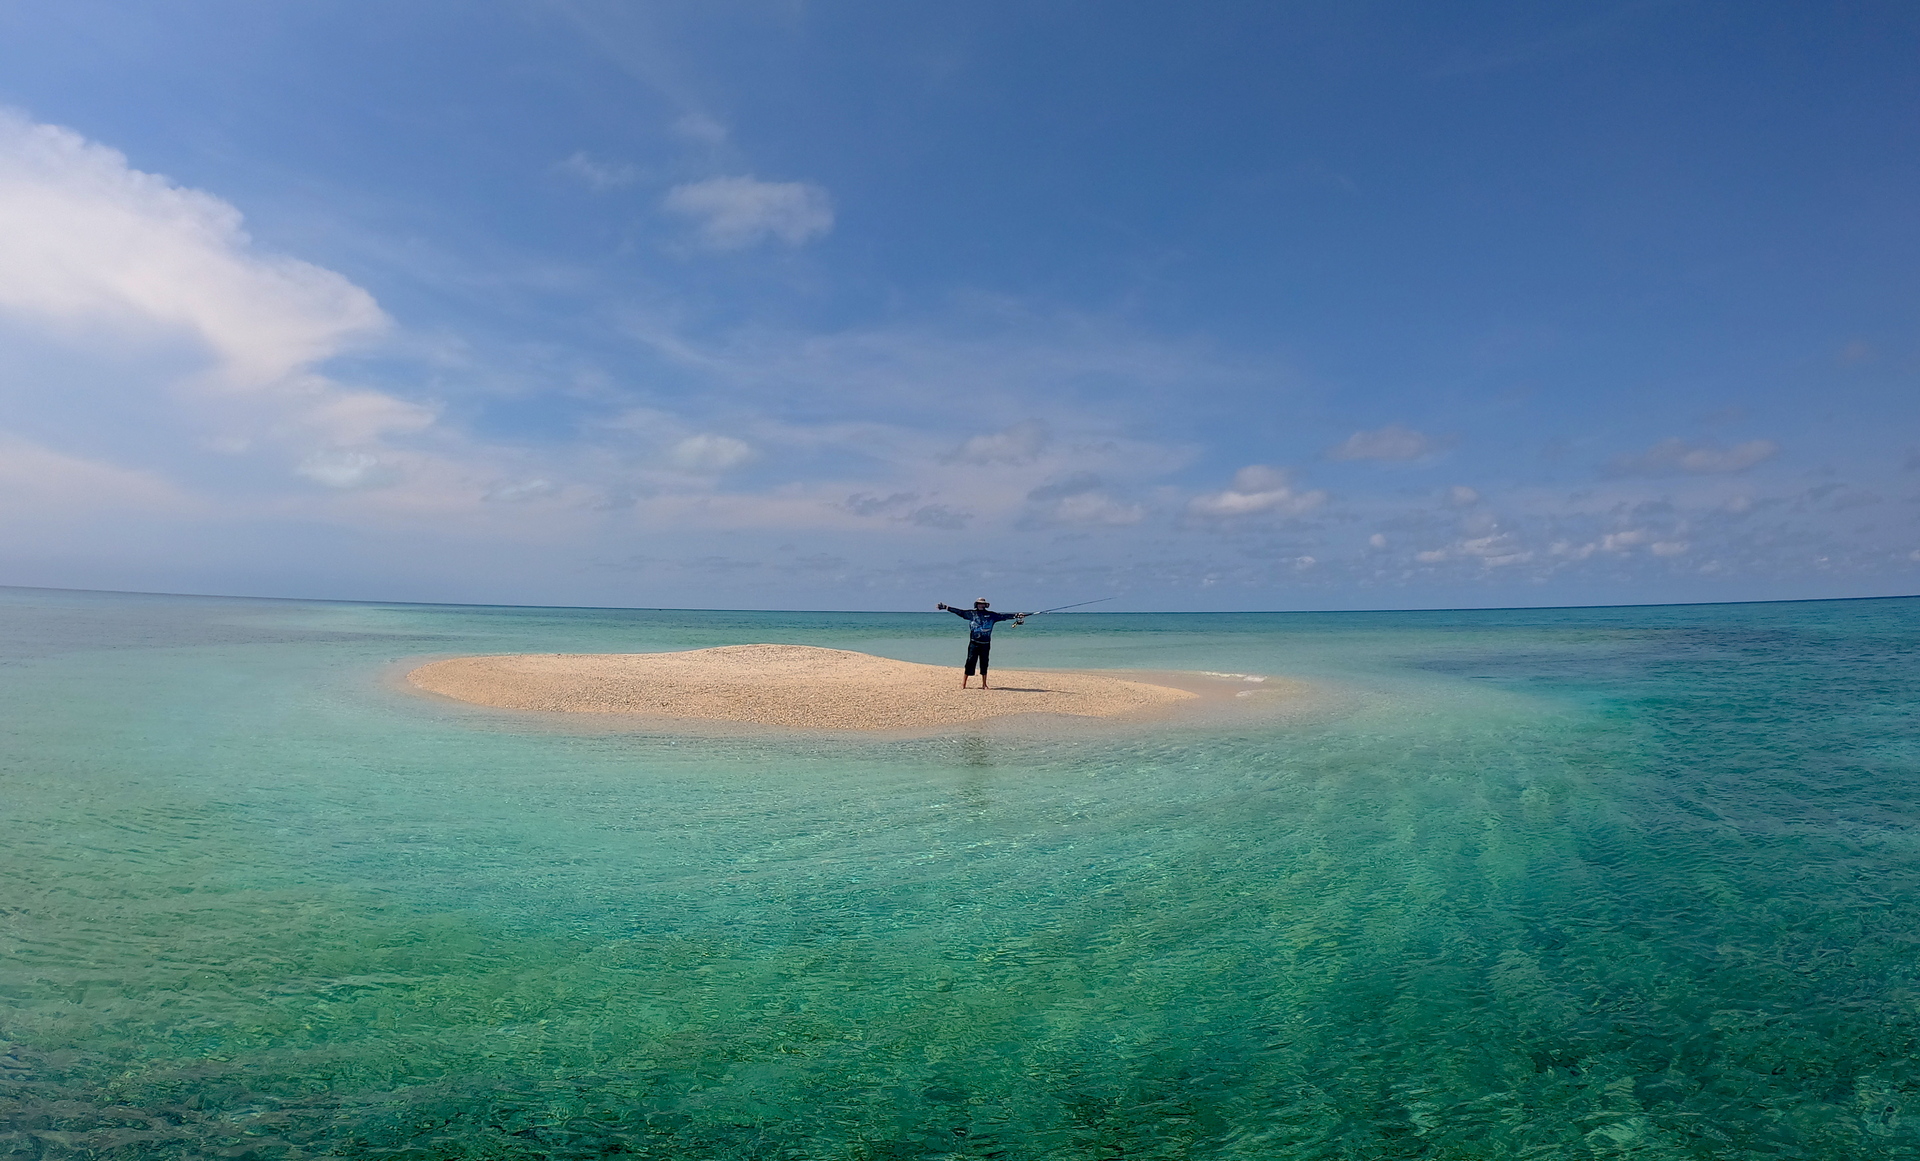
[[979, 600]]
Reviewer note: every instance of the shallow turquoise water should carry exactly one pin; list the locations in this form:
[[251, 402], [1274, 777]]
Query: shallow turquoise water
[[1568, 883]]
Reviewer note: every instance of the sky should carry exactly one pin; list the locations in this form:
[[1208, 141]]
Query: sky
[[868, 305]]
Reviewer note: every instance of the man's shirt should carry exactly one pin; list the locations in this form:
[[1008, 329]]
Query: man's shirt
[[980, 622]]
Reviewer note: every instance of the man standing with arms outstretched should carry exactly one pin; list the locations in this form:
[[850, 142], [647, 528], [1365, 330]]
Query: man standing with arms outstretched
[[980, 623]]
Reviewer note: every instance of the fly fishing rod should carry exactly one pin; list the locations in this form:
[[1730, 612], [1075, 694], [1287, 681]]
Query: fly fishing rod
[[1019, 617], [1063, 608]]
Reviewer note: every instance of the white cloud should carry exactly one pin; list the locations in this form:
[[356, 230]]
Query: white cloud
[[1257, 488], [1672, 456], [1622, 543], [115, 262], [346, 469], [520, 491], [1495, 550], [1392, 442], [86, 240], [736, 212], [1461, 496], [1018, 444], [707, 454], [600, 176]]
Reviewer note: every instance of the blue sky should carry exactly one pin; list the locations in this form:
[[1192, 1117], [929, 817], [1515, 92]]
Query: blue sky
[[866, 305]]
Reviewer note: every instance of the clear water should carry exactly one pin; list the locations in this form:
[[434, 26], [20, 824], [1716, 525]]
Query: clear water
[[1540, 884]]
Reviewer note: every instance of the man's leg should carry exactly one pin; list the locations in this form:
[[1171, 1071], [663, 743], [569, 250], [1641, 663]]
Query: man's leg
[[973, 655], [985, 648]]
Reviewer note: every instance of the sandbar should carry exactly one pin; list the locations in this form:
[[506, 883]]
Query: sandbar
[[793, 686]]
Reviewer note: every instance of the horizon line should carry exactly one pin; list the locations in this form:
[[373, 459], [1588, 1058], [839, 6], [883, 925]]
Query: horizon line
[[904, 612]]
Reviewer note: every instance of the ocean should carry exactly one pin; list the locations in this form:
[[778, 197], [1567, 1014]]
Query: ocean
[[1540, 883]]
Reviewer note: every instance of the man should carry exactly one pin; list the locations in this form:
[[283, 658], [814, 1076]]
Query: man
[[980, 623]]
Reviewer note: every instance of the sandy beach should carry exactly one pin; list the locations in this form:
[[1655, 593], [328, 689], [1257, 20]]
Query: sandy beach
[[796, 686]]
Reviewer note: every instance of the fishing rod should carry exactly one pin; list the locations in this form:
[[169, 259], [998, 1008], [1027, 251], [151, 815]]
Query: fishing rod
[[1018, 617], [1063, 608]]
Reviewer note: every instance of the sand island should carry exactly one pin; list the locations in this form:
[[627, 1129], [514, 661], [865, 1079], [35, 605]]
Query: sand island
[[797, 686]]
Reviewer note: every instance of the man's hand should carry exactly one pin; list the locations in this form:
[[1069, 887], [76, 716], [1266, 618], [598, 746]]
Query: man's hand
[[941, 607]]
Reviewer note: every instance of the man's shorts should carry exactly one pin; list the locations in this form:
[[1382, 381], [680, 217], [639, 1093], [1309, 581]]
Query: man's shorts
[[977, 651]]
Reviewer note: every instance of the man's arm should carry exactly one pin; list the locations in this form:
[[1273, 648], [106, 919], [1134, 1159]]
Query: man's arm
[[999, 617], [955, 610]]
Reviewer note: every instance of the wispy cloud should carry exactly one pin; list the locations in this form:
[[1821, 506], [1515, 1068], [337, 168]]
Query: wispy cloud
[[1493, 550], [708, 453], [1018, 444], [600, 175], [1674, 455], [1392, 442], [519, 491], [1082, 499], [346, 469], [39, 481], [700, 127], [907, 507], [733, 213]]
